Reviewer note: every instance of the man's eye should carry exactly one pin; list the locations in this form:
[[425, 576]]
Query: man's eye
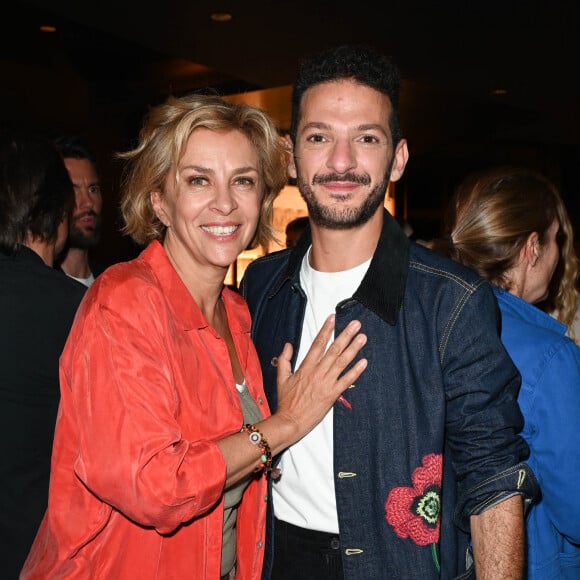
[[369, 139], [315, 138]]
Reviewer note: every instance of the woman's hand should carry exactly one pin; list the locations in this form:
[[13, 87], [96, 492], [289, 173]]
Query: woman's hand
[[304, 397]]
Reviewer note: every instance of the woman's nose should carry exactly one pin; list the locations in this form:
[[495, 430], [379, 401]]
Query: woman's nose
[[224, 200]]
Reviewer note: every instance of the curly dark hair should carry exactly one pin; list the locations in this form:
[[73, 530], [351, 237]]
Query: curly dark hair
[[361, 63]]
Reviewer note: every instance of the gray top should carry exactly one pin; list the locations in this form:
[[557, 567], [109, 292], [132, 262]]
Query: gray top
[[233, 496]]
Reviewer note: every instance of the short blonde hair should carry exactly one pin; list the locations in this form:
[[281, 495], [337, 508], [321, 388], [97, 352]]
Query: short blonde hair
[[162, 141]]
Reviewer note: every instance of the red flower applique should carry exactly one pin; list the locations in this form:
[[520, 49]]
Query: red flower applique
[[413, 512]]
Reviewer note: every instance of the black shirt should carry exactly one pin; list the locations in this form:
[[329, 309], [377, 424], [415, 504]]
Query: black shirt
[[37, 307]]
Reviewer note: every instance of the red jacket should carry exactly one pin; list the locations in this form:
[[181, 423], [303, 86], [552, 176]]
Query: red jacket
[[137, 478]]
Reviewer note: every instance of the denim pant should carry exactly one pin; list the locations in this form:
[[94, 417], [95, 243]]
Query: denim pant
[[301, 554]]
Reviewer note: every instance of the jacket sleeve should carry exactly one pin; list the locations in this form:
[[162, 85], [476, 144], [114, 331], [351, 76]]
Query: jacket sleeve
[[556, 439], [131, 452], [484, 420]]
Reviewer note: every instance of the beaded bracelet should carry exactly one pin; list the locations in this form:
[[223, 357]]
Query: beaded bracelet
[[257, 438]]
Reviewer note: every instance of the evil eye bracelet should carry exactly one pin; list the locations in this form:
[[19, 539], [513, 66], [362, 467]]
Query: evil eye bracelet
[[257, 438]]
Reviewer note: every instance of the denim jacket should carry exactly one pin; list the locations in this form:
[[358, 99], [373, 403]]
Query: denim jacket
[[432, 435]]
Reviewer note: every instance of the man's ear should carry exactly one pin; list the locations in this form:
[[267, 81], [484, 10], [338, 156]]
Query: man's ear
[[157, 203], [290, 154], [401, 156]]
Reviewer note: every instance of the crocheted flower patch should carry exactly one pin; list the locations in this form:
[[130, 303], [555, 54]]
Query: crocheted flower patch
[[413, 512]]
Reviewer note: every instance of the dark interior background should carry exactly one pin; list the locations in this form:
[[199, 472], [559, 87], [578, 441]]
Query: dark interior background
[[108, 62]]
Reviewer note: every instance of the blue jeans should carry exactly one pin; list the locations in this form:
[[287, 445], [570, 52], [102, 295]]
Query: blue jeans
[[305, 554]]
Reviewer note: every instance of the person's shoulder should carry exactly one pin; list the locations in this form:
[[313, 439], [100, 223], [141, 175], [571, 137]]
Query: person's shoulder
[[262, 273], [53, 288], [63, 284], [124, 292], [552, 356], [423, 259], [268, 265], [127, 274], [528, 327], [125, 282], [72, 286], [272, 260]]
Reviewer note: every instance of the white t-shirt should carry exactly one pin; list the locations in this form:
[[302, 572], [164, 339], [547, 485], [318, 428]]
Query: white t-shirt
[[304, 495], [86, 281]]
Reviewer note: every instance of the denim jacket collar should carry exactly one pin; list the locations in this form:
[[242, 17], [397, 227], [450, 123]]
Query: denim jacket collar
[[383, 286]]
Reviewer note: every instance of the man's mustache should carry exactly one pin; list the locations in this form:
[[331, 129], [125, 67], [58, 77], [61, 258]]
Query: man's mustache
[[88, 213], [346, 177]]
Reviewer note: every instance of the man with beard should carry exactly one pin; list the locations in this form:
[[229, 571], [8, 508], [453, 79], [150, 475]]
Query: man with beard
[[417, 471], [85, 222]]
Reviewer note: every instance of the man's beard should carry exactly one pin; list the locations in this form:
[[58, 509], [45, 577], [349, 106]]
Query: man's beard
[[345, 218], [83, 239]]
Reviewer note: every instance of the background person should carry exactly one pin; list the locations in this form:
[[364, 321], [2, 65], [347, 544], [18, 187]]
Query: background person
[[423, 449], [164, 435], [85, 223], [563, 300], [294, 229], [511, 225], [37, 306]]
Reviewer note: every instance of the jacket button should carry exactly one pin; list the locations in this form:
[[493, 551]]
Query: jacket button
[[345, 474]]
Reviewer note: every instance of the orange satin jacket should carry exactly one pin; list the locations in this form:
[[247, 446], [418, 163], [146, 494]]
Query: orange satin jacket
[[137, 478]]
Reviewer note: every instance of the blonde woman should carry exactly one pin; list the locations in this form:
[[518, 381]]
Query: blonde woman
[[164, 437]]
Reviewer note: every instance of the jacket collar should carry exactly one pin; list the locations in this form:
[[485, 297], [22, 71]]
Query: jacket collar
[[187, 312], [383, 286]]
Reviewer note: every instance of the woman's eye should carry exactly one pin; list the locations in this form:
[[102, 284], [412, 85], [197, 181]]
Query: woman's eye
[[245, 181], [197, 180]]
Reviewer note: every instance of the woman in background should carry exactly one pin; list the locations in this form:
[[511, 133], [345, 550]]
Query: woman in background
[[164, 438], [511, 226]]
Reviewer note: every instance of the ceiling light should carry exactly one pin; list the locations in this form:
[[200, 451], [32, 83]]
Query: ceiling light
[[221, 16]]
